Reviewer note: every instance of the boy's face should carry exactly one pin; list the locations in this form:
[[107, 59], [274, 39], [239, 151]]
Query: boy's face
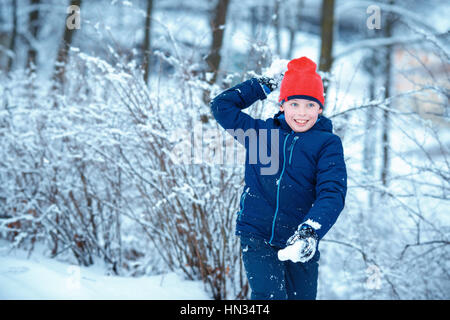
[[301, 114]]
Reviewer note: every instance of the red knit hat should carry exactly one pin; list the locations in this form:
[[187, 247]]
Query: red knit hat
[[301, 81]]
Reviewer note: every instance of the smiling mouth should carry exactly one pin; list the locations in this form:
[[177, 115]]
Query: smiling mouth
[[300, 122]]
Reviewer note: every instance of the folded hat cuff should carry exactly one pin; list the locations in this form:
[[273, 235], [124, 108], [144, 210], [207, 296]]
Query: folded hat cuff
[[302, 96]]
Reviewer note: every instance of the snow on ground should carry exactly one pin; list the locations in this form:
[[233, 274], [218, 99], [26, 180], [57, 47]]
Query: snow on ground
[[43, 278]]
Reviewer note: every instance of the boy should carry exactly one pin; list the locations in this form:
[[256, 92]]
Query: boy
[[283, 216]]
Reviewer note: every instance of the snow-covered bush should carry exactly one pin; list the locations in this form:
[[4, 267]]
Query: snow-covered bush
[[91, 170]]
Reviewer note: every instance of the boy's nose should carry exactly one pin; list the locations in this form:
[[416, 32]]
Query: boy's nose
[[301, 110]]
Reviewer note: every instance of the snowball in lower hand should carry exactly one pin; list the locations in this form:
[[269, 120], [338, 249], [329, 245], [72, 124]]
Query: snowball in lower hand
[[301, 246], [292, 252], [300, 251]]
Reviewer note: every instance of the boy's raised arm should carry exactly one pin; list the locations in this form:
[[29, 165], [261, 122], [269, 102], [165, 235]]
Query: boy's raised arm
[[227, 106]]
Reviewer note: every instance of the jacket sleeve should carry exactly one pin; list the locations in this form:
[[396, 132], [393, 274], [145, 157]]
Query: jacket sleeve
[[227, 107], [331, 187]]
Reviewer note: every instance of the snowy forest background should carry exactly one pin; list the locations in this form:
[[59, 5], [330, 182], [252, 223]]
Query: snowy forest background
[[95, 103]]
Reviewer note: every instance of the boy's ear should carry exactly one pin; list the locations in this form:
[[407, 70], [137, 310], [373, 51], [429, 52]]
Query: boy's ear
[[320, 110]]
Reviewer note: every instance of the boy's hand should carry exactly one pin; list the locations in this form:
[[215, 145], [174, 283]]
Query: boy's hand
[[269, 84], [273, 75], [301, 246]]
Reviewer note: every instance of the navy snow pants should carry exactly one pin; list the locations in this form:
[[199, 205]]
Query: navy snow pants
[[272, 279]]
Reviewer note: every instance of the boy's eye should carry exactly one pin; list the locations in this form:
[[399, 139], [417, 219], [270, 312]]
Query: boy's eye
[[311, 105], [294, 104]]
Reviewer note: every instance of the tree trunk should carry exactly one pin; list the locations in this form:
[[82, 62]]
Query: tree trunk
[[213, 59], [61, 60], [218, 23], [387, 93], [253, 20], [33, 26], [293, 27], [326, 48], [276, 24], [12, 43], [371, 66], [147, 41]]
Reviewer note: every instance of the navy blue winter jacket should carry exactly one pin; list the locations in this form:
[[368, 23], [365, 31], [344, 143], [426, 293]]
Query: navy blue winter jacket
[[311, 181]]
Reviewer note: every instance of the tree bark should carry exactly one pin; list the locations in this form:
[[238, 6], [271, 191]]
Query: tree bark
[[147, 40], [219, 16], [293, 27], [218, 23], [33, 26], [253, 20], [326, 47], [276, 23], [12, 43], [61, 61], [386, 122], [371, 65]]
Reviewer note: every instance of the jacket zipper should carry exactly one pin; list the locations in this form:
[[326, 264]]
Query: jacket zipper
[[292, 148], [278, 187]]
